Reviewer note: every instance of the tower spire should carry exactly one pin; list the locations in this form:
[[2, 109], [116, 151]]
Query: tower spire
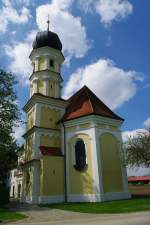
[[48, 22]]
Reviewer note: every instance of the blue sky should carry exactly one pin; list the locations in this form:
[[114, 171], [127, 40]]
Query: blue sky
[[105, 42]]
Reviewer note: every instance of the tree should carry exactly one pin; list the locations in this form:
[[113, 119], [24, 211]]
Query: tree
[[137, 150], [9, 116]]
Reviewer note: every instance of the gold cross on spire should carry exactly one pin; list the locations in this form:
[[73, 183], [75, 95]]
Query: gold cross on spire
[[48, 22]]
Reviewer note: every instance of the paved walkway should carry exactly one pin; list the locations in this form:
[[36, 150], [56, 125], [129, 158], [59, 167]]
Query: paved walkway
[[46, 216]]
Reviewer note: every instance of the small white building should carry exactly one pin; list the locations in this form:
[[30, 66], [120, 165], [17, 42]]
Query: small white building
[[15, 183], [15, 177]]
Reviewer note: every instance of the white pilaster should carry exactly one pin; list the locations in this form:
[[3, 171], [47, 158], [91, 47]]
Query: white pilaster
[[37, 114], [36, 64], [35, 86], [56, 67], [46, 87], [123, 167], [99, 161], [47, 66], [56, 89], [35, 182], [31, 90], [98, 186], [36, 145]]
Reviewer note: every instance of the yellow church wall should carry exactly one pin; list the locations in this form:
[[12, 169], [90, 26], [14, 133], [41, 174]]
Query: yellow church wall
[[85, 126], [113, 128], [30, 120], [73, 128], [59, 93], [52, 176], [82, 126], [40, 87], [49, 118], [111, 163], [80, 182], [23, 183], [51, 88], [42, 63], [27, 182], [101, 125], [33, 66], [29, 149], [50, 141]]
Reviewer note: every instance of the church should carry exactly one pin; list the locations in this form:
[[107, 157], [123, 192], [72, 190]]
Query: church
[[73, 148]]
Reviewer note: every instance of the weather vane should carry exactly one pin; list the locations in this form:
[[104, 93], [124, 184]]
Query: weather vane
[[48, 22]]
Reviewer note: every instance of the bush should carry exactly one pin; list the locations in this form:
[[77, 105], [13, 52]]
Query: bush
[[4, 195]]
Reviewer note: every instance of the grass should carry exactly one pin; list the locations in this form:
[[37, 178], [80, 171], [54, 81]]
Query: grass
[[9, 216], [122, 206]]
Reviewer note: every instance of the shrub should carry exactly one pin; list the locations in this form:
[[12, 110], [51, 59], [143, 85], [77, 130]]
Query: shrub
[[4, 195]]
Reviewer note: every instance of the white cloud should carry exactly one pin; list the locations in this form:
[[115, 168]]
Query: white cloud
[[132, 134], [147, 123], [62, 5], [18, 132], [9, 14], [87, 5], [113, 10], [111, 84], [69, 28], [19, 55], [108, 10]]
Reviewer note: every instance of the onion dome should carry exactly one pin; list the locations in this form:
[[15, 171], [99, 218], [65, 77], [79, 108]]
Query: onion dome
[[47, 38]]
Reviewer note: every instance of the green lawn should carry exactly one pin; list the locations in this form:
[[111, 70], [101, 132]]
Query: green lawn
[[123, 206], [7, 215]]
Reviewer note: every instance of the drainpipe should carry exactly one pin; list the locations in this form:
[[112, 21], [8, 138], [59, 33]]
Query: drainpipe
[[65, 166]]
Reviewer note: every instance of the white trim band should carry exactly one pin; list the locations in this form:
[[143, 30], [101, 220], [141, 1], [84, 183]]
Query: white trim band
[[99, 197], [51, 199]]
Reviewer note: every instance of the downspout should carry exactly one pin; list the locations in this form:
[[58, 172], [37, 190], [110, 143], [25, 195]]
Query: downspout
[[65, 166]]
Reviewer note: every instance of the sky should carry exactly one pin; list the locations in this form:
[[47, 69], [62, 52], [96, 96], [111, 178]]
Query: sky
[[105, 43]]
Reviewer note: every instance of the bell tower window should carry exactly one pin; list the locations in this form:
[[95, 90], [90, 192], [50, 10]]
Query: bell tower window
[[80, 155], [52, 63]]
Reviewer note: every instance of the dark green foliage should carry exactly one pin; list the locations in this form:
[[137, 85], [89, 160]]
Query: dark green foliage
[[4, 195], [9, 116], [137, 150]]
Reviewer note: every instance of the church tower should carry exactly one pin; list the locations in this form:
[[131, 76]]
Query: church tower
[[43, 175], [72, 147]]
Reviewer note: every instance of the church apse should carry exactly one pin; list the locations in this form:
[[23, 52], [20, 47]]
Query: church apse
[[80, 182], [110, 163]]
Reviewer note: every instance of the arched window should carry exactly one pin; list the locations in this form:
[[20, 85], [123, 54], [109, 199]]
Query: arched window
[[19, 190], [13, 191], [51, 63], [80, 155], [27, 178]]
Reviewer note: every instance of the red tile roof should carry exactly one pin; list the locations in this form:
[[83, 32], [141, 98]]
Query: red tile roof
[[141, 178], [85, 102], [51, 151]]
